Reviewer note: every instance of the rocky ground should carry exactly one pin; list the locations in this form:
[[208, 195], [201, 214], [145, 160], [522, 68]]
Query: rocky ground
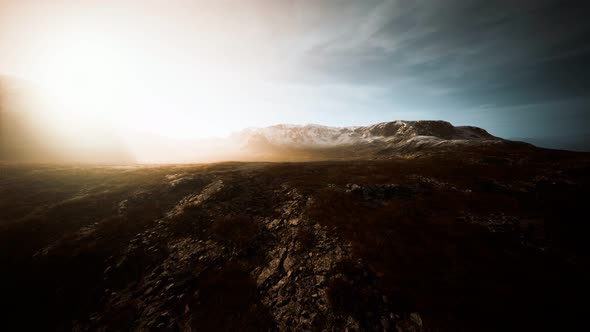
[[483, 240]]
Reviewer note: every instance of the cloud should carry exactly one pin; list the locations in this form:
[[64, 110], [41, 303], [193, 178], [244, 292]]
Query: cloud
[[347, 61], [456, 48]]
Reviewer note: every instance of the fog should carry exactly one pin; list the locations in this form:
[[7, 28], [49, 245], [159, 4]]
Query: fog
[[30, 133]]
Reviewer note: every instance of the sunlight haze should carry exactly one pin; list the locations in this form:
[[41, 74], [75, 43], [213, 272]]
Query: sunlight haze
[[187, 70], [145, 67]]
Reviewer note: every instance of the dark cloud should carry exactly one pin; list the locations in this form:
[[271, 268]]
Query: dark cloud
[[468, 45], [518, 64], [461, 55]]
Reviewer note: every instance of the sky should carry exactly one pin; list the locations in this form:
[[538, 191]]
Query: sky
[[194, 69]]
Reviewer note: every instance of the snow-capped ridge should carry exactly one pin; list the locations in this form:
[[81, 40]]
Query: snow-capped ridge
[[313, 135]]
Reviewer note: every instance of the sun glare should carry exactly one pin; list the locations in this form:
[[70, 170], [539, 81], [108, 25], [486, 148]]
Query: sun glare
[[89, 77], [92, 76], [134, 74]]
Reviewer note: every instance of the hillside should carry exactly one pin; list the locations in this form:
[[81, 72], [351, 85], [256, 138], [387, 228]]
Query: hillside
[[30, 133], [378, 141], [480, 238]]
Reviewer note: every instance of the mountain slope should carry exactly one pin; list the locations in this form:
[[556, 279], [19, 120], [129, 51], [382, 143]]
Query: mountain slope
[[396, 131], [470, 240], [29, 132], [378, 141]]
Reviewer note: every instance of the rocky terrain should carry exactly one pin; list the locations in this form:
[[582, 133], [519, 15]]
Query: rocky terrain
[[481, 238], [382, 140], [395, 131]]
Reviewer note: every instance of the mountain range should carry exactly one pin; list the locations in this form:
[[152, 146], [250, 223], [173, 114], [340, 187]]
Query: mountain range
[[379, 141]]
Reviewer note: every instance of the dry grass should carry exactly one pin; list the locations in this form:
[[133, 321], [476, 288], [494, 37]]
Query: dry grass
[[458, 275]]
